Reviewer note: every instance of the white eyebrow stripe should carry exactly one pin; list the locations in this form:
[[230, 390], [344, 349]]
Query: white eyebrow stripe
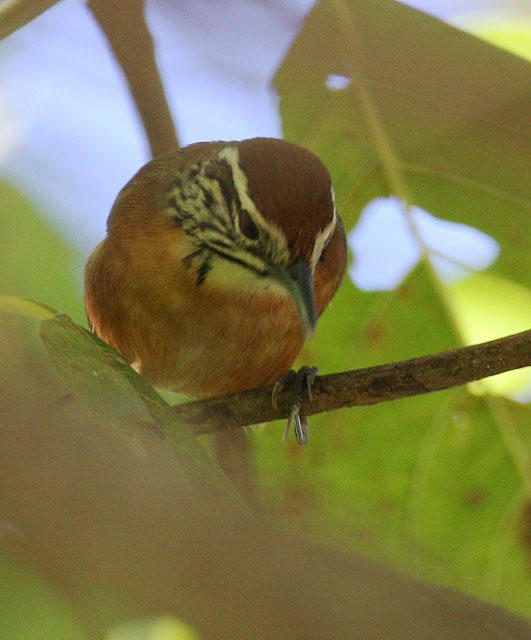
[[231, 155], [322, 238]]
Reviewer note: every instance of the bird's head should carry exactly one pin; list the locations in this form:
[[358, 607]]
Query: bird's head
[[250, 215]]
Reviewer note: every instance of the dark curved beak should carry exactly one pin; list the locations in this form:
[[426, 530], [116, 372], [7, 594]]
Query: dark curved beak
[[297, 279]]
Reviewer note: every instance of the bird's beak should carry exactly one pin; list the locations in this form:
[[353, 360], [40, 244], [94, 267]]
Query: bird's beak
[[297, 279]]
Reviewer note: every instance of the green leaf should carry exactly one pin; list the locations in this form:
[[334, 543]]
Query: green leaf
[[487, 307], [109, 389], [36, 261], [432, 114], [434, 484], [510, 34], [32, 608], [26, 307], [163, 628]]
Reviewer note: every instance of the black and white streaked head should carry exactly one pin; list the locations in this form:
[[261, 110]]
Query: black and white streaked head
[[259, 213]]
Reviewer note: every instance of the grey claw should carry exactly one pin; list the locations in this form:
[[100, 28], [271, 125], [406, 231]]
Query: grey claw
[[301, 429], [304, 377], [279, 386], [310, 379], [293, 417]]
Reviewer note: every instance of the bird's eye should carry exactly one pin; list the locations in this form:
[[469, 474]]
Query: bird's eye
[[247, 226]]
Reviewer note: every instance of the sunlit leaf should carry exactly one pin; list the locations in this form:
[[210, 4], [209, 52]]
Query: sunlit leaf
[[515, 36], [397, 102], [487, 307], [164, 628], [26, 307]]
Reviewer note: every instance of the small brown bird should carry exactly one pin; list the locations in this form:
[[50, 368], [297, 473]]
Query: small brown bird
[[218, 260]]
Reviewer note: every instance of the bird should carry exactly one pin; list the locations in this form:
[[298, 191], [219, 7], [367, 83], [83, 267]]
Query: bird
[[218, 260]]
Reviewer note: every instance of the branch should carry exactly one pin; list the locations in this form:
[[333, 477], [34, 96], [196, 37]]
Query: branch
[[124, 25], [364, 386], [17, 13]]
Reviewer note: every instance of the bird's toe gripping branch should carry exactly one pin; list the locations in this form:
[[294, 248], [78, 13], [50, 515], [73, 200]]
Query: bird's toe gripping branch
[[304, 377]]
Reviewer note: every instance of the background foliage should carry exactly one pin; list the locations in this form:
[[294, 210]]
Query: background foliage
[[439, 485], [431, 483]]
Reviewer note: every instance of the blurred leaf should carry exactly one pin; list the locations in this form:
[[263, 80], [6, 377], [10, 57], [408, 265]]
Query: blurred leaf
[[487, 307], [166, 628], [108, 517], [98, 378], [35, 260], [511, 35], [31, 608]]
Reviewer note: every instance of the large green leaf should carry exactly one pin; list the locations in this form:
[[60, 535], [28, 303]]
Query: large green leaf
[[95, 379], [113, 392], [432, 114], [434, 484]]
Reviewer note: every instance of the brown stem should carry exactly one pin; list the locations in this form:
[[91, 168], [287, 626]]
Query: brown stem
[[364, 386], [16, 13], [124, 25]]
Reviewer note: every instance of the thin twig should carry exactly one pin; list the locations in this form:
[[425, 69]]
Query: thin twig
[[124, 25], [17, 13], [364, 386]]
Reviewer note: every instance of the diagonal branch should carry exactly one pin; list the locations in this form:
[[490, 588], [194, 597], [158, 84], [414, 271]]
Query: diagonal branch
[[364, 386], [124, 25], [14, 14]]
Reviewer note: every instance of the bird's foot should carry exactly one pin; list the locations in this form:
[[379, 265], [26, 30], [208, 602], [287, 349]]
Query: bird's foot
[[304, 377]]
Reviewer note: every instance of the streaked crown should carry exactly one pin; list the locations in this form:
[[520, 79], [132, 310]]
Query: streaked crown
[[259, 202]]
